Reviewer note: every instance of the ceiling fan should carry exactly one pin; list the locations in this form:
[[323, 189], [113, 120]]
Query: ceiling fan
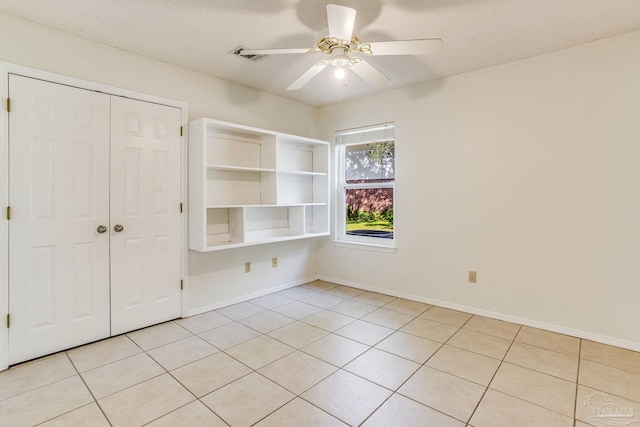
[[346, 52]]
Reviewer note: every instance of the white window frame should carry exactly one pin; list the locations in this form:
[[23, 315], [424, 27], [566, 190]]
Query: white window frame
[[377, 133]]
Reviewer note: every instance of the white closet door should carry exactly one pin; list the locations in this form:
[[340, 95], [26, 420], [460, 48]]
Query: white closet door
[[59, 196], [145, 202]]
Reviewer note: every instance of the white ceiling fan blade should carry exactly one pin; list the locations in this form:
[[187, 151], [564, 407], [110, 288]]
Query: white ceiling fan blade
[[341, 20], [407, 47], [247, 52], [308, 75], [370, 74]]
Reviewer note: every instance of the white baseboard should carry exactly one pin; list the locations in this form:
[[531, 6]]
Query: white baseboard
[[243, 298], [604, 339]]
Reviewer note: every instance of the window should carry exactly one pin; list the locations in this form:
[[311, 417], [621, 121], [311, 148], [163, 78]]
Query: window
[[366, 179]]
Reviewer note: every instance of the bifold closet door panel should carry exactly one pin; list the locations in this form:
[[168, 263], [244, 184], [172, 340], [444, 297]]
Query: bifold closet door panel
[[59, 197], [145, 214]]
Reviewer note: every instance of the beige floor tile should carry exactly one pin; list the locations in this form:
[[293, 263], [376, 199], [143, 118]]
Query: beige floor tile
[[102, 352], [412, 308], [320, 286], [498, 328], [209, 374], [499, 410], [465, 364], [259, 352], [271, 301], [335, 349], [44, 403], [299, 413], [539, 359], [328, 320], [365, 332], [347, 397], [389, 318], [487, 345], [180, 353], [446, 393], [203, 322], [598, 408], [194, 414], [612, 356], [240, 310], [409, 346], [402, 412], [246, 401], [374, 298], [610, 380], [145, 402], [429, 329], [353, 308], [323, 300], [29, 376], [266, 321], [297, 371], [88, 415], [382, 368], [158, 335], [298, 292], [541, 389], [298, 334], [345, 291], [229, 335], [549, 340], [446, 316], [116, 376], [297, 310]]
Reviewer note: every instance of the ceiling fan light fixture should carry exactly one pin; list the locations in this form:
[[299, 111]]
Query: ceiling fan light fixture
[[339, 73]]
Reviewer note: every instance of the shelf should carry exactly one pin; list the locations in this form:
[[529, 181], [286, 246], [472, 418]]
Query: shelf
[[263, 206], [301, 173], [250, 186], [237, 168]]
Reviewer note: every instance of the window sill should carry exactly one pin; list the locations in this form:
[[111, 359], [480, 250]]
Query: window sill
[[365, 246]]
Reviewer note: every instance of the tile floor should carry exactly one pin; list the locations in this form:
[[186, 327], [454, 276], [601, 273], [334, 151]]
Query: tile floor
[[326, 355]]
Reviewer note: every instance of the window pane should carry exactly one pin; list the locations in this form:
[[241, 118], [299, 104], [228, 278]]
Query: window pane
[[372, 162], [369, 212]]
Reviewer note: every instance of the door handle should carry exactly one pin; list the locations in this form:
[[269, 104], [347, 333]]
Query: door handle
[[118, 228], [101, 229]]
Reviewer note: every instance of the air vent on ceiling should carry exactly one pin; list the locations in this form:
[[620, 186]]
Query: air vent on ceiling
[[254, 58]]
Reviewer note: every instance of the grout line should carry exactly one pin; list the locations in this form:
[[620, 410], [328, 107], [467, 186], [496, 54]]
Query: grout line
[[575, 403], [493, 377]]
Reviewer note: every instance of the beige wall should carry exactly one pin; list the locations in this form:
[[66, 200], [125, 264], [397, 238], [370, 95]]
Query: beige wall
[[526, 172]]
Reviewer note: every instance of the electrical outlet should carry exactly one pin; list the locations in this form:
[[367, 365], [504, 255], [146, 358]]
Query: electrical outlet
[[472, 276], [274, 262], [247, 267]]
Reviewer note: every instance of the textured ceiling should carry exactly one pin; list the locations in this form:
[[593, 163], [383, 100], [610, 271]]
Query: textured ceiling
[[198, 34]]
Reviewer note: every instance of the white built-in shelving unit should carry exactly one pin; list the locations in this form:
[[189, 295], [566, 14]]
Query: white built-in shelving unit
[[249, 186]]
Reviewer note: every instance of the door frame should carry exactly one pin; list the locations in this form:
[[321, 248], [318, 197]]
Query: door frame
[[5, 70]]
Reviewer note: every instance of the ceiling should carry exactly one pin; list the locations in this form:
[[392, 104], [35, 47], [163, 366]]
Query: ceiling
[[199, 34]]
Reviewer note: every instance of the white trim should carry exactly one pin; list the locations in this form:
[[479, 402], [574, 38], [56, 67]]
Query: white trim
[[366, 246], [248, 297], [578, 333], [8, 68]]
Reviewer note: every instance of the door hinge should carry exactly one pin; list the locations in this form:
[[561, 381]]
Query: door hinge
[[8, 321], [180, 130], [8, 105], [8, 213], [181, 284], [180, 207]]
